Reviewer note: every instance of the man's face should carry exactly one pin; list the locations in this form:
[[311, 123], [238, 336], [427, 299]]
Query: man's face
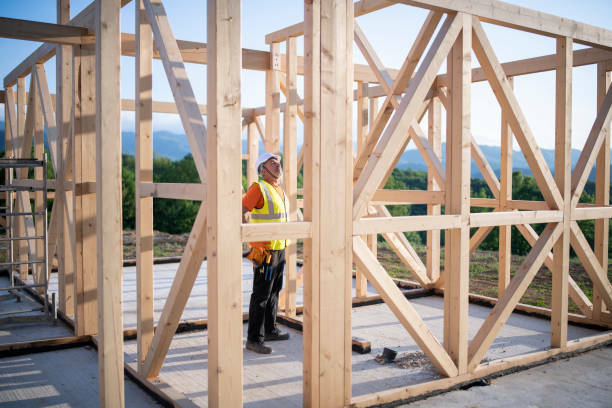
[[273, 167]]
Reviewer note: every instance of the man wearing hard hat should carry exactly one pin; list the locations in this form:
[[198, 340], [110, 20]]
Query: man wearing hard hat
[[267, 202]]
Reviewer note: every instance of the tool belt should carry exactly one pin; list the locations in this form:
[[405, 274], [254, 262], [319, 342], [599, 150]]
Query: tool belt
[[259, 256]]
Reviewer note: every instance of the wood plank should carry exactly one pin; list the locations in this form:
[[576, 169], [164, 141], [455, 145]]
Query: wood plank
[[186, 274], [403, 310], [504, 260], [290, 171], [385, 197], [381, 118], [381, 225], [367, 50], [44, 32], [38, 153], [253, 152], [361, 283], [522, 18], [507, 100], [514, 218], [429, 155], [174, 191], [180, 85], [602, 188], [66, 256], [592, 146], [563, 171], [457, 256], [396, 132], [84, 201], [272, 139], [508, 300], [223, 208], [144, 174], [592, 266], [404, 250], [434, 137], [312, 202], [108, 195]]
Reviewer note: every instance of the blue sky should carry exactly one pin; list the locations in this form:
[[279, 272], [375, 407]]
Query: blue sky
[[391, 32]]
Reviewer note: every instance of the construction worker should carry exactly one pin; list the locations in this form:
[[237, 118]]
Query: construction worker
[[267, 202]]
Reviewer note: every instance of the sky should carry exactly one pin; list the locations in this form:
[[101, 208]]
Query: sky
[[391, 31]]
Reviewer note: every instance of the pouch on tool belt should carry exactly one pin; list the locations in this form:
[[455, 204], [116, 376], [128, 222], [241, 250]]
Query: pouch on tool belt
[[259, 256]]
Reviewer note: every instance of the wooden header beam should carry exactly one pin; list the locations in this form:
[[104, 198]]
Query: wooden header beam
[[522, 18], [489, 11], [44, 32]]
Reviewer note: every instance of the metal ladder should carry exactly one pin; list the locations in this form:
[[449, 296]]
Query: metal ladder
[[18, 288]]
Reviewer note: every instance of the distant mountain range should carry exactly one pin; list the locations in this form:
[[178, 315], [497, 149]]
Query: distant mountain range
[[175, 146]]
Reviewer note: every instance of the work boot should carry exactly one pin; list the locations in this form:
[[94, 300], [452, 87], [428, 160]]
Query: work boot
[[277, 335], [258, 347]]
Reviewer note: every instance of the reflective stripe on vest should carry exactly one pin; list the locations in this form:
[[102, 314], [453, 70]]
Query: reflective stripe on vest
[[275, 209]]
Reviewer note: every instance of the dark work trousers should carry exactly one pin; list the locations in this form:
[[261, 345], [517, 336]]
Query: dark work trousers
[[267, 283]]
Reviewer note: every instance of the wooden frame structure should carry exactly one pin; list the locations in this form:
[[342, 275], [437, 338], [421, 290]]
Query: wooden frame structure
[[82, 125]]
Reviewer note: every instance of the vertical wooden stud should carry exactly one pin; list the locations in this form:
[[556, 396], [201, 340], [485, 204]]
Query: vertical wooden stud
[[505, 195], [83, 153], [434, 136], [602, 191], [361, 283], [63, 197], [272, 139], [18, 140], [39, 151], [312, 200], [458, 197], [563, 168], [223, 204], [290, 169], [253, 152], [144, 174], [329, 43], [108, 194]]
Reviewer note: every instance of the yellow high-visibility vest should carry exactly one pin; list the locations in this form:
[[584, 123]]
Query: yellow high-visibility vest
[[275, 209]]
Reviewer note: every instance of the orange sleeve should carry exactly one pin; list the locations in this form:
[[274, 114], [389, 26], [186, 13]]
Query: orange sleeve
[[253, 198]]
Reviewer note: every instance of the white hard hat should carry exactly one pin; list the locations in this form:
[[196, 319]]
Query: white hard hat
[[264, 157]]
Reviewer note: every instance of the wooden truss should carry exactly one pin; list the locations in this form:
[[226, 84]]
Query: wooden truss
[[85, 228]]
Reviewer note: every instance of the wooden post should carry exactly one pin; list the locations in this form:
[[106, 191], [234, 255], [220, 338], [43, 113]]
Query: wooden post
[[290, 169], [223, 192], [434, 136], [328, 199], [272, 139], [563, 168], [108, 195], [458, 197], [144, 174], [63, 197], [253, 152], [602, 191], [84, 202], [361, 283], [505, 195], [18, 140], [39, 151]]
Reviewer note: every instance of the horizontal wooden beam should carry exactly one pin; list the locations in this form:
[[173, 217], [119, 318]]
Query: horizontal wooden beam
[[366, 226], [361, 7], [385, 197], [275, 230], [175, 191], [591, 213], [514, 217], [44, 32], [522, 18]]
